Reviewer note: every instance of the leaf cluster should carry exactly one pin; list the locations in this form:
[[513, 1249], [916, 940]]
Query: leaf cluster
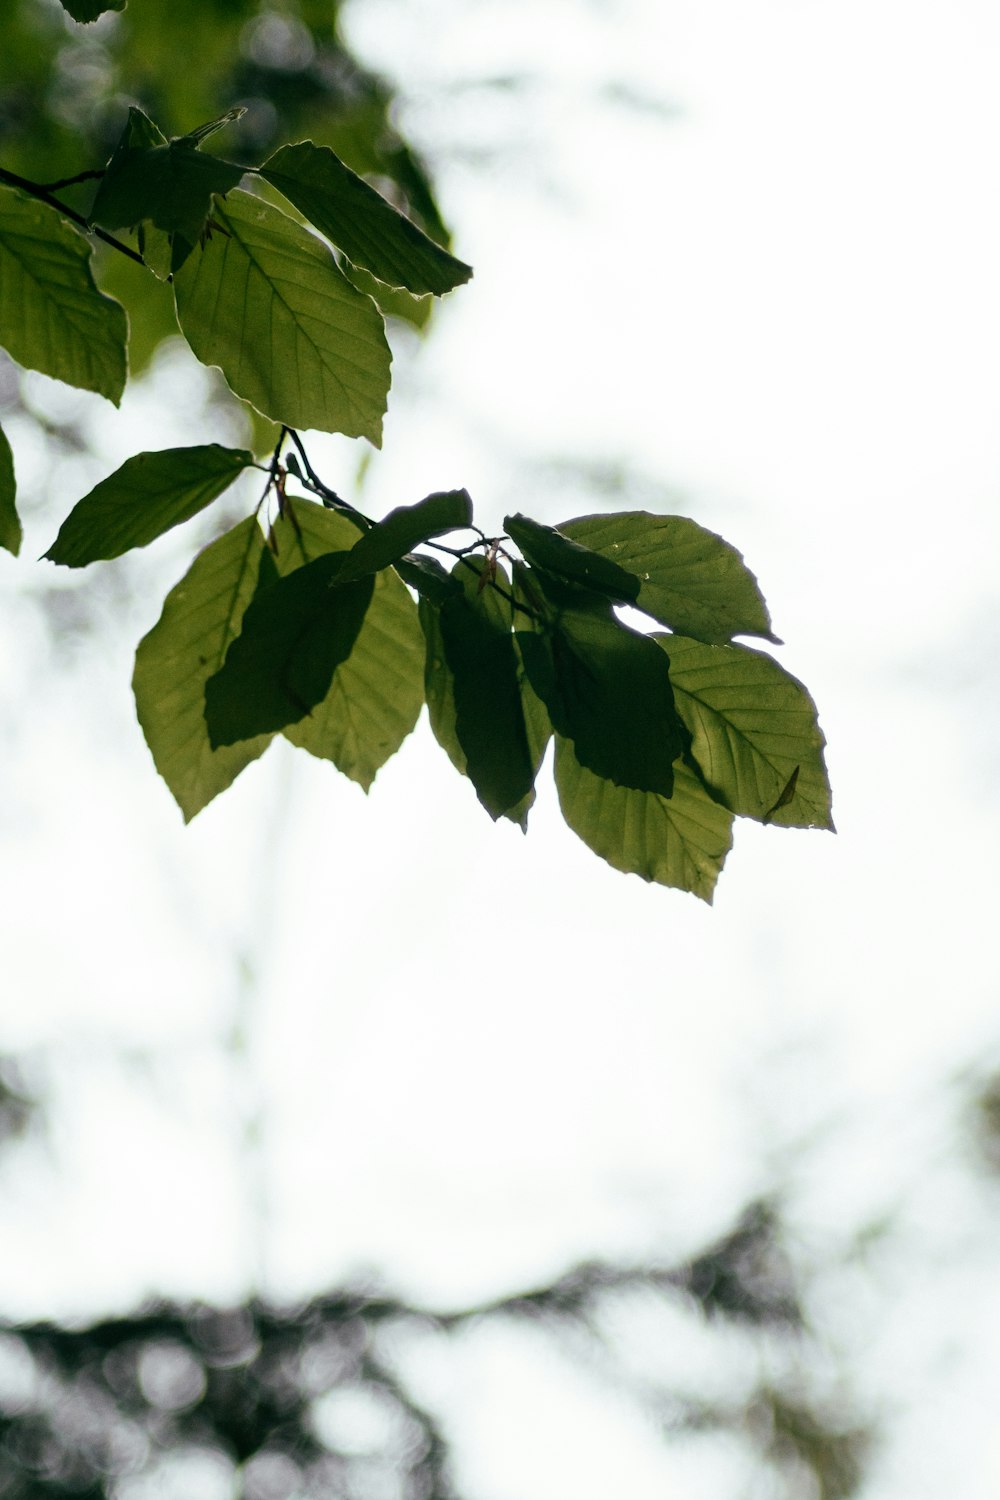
[[614, 637]]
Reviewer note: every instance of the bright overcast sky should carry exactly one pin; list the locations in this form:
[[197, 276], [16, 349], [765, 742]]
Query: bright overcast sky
[[747, 251]]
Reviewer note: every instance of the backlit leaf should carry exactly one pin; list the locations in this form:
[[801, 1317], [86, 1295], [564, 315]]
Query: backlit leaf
[[168, 183], [148, 495], [690, 579], [607, 689], [680, 841], [376, 694], [201, 617], [545, 547], [360, 222], [52, 317], [753, 728], [295, 634], [473, 686], [10, 526], [263, 299], [406, 527]]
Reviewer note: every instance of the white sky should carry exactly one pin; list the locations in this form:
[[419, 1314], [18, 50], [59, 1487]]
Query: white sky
[[481, 1056]]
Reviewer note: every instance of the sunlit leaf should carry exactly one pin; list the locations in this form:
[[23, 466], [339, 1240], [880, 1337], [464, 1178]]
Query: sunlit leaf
[[263, 299], [52, 317], [679, 841], [360, 222], [690, 579], [148, 495], [754, 729], [10, 526], [376, 695], [201, 617]]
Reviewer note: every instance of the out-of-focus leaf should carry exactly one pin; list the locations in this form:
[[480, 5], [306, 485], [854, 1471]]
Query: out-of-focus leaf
[[148, 495], [52, 317], [201, 618], [263, 299], [360, 222]]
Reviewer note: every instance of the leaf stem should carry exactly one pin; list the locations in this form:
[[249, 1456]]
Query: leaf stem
[[39, 191]]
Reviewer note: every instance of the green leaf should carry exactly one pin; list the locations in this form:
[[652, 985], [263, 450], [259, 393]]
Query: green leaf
[[89, 10], [473, 685], [52, 317], [360, 222], [426, 575], [170, 186], [690, 579], [10, 526], [377, 693], [201, 617], [263, 299], [148, 495], [754, 729], [607, 689], [295, 635], [680, 841], [405, 528], [546, 548]]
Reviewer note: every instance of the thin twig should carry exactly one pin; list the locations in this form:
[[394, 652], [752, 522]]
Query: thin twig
[[38, 191], [91, 176]]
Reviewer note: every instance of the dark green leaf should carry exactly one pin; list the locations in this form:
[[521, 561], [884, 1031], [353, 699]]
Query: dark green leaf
[[427, 576], [680, 841], [405, 528], [200, 619], [52, 317], [473, 689], [148, 495], [376, 694], [167, 183], [263, 299], [753, 728], [10, 526], [546, 548], [359, 221], [295, 635], [690, 579], [608, 690], [170, 186], [89, 10]]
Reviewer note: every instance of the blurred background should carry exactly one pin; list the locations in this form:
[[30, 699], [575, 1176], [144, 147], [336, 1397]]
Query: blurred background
[[358, 1147]]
